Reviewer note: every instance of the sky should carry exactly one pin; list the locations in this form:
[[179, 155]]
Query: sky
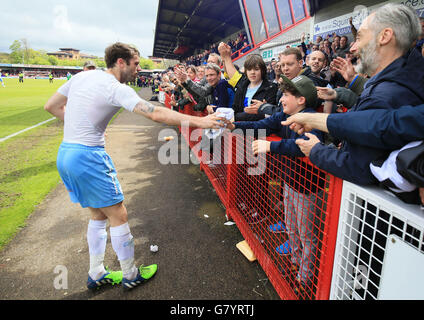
[[87, 25]]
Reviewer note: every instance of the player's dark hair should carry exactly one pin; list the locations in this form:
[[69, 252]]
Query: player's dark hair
[[119, 50]]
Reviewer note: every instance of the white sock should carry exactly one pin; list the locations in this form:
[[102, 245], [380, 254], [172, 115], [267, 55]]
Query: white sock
[[97, 269], [97, 238], [123, 244], [130, 269]]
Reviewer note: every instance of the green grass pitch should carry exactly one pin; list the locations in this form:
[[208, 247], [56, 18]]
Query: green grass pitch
[[21, 104]]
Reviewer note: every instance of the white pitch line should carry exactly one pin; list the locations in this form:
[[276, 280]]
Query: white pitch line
[[22, 131]]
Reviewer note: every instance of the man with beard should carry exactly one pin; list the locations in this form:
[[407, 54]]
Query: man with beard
[[420, 42], [91, 99], [383, 47]]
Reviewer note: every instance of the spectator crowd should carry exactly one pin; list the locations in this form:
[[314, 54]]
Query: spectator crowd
[[382, 68], [239, 45], [354, 108]]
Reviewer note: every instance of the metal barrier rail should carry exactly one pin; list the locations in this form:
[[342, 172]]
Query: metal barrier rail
[[286, 208], [380, 247]]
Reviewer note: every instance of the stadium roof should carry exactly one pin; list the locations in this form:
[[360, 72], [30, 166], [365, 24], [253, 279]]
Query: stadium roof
[[317, 5], [194, 23]]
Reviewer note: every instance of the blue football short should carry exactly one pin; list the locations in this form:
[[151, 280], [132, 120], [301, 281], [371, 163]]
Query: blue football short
[[89, 175]]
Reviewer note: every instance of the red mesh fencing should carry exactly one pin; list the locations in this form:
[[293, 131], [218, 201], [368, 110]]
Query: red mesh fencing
[[285, 207], [168, 98], [215, 162], [192, 135]]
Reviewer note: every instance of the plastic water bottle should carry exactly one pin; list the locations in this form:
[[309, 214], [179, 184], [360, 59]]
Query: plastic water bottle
[[227, 113]]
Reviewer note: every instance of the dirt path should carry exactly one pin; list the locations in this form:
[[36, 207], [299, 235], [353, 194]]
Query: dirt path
[[197, 257]]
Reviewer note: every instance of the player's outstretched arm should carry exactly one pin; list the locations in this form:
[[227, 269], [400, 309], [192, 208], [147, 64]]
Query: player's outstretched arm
[[56, 105], [170, 117]]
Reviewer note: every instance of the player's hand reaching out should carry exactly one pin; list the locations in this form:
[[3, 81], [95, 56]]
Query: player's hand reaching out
[[211, 121]]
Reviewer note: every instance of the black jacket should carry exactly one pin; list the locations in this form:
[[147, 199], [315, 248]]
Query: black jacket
[[267, 91], [318, 81]]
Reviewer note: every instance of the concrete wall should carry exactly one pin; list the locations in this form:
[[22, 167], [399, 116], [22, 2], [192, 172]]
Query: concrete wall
[[340, 8], [335, 17]]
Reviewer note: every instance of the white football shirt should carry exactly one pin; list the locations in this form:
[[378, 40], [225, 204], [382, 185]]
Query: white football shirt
[[93, 99]]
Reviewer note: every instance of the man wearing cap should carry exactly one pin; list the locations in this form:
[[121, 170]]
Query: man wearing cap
[[89, 65], [300, 187], [299, 96], [302, 99]]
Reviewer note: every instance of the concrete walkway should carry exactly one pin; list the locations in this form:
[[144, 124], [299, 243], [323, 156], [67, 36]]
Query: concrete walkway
[[197, 256]]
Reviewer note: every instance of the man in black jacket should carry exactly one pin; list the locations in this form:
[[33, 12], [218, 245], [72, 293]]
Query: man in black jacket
[[315, 65], [253, 85]]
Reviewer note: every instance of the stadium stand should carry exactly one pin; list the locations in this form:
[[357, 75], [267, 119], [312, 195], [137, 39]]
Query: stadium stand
[[335, 248]]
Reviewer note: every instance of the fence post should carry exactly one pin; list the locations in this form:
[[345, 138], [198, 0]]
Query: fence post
[[231, 176], [330, 238]]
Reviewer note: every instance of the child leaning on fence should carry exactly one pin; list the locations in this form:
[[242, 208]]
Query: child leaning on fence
[[301, 185]]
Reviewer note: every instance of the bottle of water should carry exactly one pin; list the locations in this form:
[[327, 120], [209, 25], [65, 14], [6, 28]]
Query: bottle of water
[[227, 113]]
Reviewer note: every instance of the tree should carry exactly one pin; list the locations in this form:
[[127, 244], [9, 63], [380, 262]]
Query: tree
[[22, 53], [100, 63], [4, 57], [53, 60], [38, 58], [146, 64], [27, 51], [16, 55]]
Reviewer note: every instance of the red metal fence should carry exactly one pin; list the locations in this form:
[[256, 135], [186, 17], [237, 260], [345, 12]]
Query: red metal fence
[[286, 208]]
